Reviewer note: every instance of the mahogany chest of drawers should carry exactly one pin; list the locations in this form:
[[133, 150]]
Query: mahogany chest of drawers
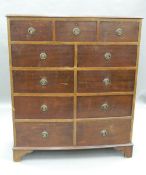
[[73, 82]]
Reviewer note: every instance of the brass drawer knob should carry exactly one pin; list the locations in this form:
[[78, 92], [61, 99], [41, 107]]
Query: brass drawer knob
[[76, 31], [105, 107], [43, 82], [119, 31], [107, 56], [104, 133], [31, 30], [43, 56], [44, 134], [44, 108], [106, 81]]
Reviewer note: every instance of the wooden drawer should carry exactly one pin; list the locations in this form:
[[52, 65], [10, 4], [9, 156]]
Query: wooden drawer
[[104, 106], [42, 55], [118, 31], [43, 107], [76, 31], [31, 30], [107, 56], [103, 132], [43, 81], [105, 81], [44, 134]]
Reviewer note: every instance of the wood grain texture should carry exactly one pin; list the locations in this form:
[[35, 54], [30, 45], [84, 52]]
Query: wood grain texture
[[91, 107], [94, 56], [89, 133], [108, 28], [64, 31], [30, 107], [29, 55], [19, 30], [59, 134], [92, 81], [58, 81]]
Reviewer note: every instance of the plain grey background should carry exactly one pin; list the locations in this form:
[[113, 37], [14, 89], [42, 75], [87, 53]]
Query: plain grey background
[[125, 8]]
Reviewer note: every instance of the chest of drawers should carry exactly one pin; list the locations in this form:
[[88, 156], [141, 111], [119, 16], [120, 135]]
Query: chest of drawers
[[73, 82]]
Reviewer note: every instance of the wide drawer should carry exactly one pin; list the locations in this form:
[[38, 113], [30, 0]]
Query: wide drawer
[[43, 107], [42, 55], [105, 81], [43, 81], [107, 56], [103, 132], [118, 31], [44, 134], [104, 106], [30, 30], [76, 31]]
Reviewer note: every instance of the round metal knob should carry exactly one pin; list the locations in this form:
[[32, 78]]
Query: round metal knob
[[76, 31], [107, 56], [106, 81], [104, 133], [31, 30], [43, 56], [44, 134], [105, 107], [119, 31], [44, 108], [43, 81]]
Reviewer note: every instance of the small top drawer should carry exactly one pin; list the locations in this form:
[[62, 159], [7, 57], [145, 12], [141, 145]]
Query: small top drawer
[[76, 31], [118, 31], [30, 30]]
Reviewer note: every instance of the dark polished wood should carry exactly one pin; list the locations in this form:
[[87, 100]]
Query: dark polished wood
[[59, 134], [108, 29], [92, 107], [64, 31], [92, 81], [29, 55], [90, 132], [29, 81], [19, 30], [94, 56], [30, 107]]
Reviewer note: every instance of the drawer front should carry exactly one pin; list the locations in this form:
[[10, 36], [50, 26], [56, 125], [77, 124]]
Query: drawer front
[[31, 30], [104, 106], [43, 81], [43, 107], [118, 31], [106, 56], [105, 81], [42, 55], [76, 31], [44, 134], [103, 132]]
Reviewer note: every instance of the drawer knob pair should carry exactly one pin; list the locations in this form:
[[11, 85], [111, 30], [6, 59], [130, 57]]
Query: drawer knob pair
[[44, 134], [119, 31], [44, 108], [106, 81], [43, 56], [31, 30], [105, 107], [104, 133], [43, 82]]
